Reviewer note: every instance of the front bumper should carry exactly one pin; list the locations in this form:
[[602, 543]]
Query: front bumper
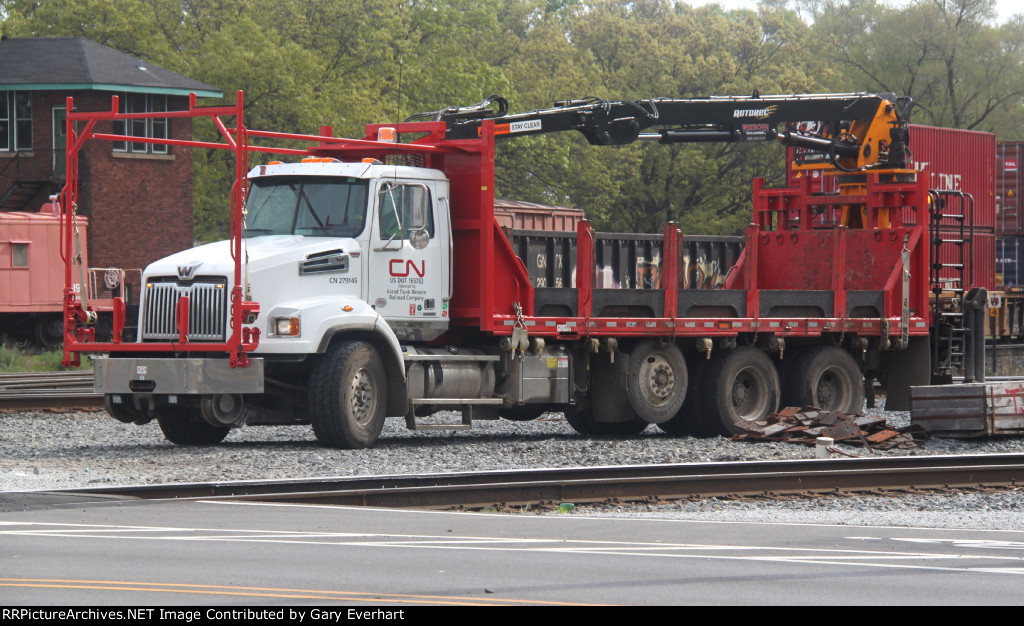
[[176, 376]]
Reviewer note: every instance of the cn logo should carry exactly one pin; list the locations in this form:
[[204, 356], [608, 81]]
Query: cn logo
[[403, 267]]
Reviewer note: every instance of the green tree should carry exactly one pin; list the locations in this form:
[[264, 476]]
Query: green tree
[[961, 68], [305, 63], [656, 48]]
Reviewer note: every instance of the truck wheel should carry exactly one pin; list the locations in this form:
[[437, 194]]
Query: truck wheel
[[223, 409], [521, 413], [689, 419], [185, 428], [585, 423], [825, 377], [347, 396], [123, 411], [656, 382], [741, 385]]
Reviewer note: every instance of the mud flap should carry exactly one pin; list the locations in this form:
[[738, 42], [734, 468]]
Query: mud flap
[[609, 402], [905, 369]]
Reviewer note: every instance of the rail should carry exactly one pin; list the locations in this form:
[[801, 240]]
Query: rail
[[540, 487], [48, 390]]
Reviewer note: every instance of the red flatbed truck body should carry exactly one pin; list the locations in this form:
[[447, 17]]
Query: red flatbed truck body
[[849, 300], [840, 280], [783, 253]]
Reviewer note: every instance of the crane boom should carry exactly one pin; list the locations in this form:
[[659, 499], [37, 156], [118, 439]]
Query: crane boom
[[848, 132]]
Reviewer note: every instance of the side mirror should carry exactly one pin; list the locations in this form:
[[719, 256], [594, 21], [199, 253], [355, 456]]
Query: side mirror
[[418, 216], [418, 207]]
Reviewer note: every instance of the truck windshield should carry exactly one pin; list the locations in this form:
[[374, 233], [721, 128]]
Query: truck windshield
[[315, 206]]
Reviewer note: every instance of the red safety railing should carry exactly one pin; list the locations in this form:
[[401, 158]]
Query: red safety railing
[[468, 164], [79, 338]]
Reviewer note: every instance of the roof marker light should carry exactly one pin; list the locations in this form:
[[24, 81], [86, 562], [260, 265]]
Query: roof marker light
[[388, 134]]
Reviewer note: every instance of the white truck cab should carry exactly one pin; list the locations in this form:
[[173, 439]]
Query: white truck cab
[[329, 248], [327, 245], [321, 236]]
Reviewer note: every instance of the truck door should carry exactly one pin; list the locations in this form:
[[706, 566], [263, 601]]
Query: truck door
[[409, 265]]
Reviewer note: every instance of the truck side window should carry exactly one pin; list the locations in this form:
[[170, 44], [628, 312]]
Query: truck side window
[[396, 209]]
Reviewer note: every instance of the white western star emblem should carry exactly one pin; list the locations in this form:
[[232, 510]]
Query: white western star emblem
[[186, 272]]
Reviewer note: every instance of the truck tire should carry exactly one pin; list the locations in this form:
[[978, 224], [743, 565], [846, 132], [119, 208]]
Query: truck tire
[[585, 423], [348, 396], [123, 412], [826, 377], [689, 420], [521, 413], [184, 427], [741, 385], [656, 381]]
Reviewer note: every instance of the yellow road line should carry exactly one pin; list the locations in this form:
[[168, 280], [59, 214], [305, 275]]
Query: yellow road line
[[270, 592]]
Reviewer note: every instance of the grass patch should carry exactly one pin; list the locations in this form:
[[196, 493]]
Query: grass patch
[[17, 358]]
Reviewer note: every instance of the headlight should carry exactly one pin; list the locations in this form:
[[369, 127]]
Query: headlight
[[287, 326]]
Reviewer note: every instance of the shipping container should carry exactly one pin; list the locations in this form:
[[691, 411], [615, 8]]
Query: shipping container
[[951, 158], [958, 160], [1006, 314], [512, 214], [980, 270], [1008, 257], [1009, 186], [1006, 304]]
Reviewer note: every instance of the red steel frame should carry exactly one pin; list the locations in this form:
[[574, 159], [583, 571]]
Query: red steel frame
[[79, 339], [491, 279], [469, 165]]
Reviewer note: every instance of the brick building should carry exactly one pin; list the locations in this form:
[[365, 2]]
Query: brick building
[[137, 196]]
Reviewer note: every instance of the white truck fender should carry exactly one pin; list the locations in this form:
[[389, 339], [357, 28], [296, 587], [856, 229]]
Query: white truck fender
[[324, 318]]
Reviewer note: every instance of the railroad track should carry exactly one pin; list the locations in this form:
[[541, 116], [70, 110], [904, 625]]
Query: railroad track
[[48, 390], [502, 490]]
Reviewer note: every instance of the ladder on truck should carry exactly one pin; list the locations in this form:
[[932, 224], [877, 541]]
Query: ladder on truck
[[956, 334]]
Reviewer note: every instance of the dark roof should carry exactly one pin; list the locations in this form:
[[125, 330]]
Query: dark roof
[[61, 63]]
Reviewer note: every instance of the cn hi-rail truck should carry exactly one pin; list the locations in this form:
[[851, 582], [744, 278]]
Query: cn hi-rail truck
[[367, 278]]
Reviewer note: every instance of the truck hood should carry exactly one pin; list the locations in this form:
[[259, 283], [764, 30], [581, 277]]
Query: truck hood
[[214, 259]]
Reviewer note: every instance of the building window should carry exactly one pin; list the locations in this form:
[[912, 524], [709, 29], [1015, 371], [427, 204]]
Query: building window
[[15, 120], [153, 128]]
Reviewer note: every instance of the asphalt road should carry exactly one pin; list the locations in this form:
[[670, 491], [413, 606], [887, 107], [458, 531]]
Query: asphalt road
[[203, 553]]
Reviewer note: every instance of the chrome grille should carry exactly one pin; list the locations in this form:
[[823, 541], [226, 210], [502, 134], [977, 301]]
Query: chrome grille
[[207, 310]]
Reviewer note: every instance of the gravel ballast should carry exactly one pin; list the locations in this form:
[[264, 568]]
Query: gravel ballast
[[43, 450]]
